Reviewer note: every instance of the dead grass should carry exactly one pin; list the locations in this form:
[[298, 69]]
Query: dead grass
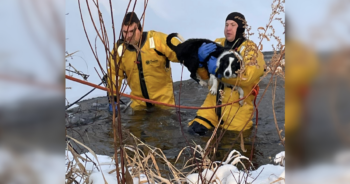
[[143, 159]]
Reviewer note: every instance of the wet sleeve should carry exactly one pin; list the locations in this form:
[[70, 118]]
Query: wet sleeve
[[112, 72], [160, 43]]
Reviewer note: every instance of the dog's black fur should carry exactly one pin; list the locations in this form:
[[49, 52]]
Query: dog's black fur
[[187, 54]]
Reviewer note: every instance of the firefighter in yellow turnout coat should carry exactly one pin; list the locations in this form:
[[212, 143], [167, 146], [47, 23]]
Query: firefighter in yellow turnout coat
[[234, 116], [148, 74]]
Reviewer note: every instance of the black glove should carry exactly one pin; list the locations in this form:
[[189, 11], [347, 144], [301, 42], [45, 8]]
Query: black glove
[[197, 128]]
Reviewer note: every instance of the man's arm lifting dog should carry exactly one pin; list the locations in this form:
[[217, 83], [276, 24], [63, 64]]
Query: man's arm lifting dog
[[227, 62], [187, 54]]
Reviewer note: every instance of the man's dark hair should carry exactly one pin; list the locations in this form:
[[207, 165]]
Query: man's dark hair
[[131, 18]]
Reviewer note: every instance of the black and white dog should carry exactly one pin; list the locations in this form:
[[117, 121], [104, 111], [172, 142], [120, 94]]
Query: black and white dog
[[228, 61]]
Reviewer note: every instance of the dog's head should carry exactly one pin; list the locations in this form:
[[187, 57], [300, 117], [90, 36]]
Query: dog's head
[[228, 63]]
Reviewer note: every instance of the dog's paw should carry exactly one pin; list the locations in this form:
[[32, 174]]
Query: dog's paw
[[202, 83], [241, 102], [210, 82], [213, 91]]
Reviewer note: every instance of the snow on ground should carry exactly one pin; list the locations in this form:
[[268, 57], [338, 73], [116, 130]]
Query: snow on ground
[[227, 173]]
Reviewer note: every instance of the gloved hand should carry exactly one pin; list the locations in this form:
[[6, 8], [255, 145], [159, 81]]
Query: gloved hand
[[205, 50], [212, 65], [197, 128], [110, 108]]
